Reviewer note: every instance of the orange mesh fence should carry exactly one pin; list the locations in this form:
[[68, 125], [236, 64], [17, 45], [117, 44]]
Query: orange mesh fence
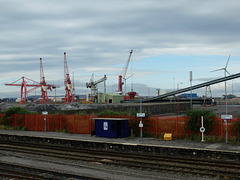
[[30, 121], [232, 130], [54, 122], [158, 125], [85, 124], [1, 115], [217, 127], [82, 124], [40, 123], [220, 127], [18, 120]]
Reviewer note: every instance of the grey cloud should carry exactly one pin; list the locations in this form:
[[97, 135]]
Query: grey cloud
[[101, 33]]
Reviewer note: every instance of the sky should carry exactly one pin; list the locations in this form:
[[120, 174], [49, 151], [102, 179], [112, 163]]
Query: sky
[[168, 38]]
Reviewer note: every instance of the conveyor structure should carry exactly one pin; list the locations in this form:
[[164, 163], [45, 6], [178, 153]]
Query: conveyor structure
[[190, 88]]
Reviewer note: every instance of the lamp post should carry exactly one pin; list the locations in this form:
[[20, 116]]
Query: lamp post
[[226, 94], [191, 86]]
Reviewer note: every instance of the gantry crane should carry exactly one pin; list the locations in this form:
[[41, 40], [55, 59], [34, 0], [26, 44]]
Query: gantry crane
[[24, 86], [93, 86], [67, 82], [34, 85], [123, 76]]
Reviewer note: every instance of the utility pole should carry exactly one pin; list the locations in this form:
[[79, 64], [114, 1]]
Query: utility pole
[[191, 87]]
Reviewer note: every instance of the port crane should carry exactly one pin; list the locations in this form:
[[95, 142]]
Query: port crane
[[44, 86], [67, 82], [33, 85], [24, 86], [93, 85], [130, 95], [123, 76]]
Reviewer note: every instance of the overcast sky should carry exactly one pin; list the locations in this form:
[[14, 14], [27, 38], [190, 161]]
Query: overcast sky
[[168, 39]]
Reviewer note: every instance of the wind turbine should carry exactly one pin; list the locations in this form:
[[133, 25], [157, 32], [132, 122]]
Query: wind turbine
[[225, 74]]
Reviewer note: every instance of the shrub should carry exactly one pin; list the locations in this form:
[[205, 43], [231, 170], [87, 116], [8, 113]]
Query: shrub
[[111, 113], [16, 110], [7, 119], [194, 122]]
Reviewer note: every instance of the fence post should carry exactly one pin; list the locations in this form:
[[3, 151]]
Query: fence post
[[177, 127], [74, 123], [36, 119], [15, 119], [48, 120], [156, 126], [221, 128], [89, 125], [60, 121], [25, 120]]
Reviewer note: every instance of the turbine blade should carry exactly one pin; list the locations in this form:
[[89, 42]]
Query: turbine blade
[[227, 61], [218, 70], [228, 72]]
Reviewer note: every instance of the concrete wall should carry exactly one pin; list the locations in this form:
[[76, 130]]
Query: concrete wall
[[150, 108]]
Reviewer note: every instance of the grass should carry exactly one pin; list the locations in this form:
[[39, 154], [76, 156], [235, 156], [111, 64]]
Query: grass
[[21, 128]]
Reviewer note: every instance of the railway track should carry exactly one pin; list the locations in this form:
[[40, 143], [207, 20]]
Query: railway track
[[209, 168], [13, 171]]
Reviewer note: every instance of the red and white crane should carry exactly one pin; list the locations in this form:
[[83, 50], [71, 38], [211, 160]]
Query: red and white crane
[[24, 86], [33, 85], [44, 86], [67, 82], [123, 76]]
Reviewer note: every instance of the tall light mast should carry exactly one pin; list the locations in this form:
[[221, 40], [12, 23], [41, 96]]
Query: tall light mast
[[67, 82]]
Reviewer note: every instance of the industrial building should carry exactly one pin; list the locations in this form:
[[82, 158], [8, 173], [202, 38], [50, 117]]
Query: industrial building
[[110, 98]]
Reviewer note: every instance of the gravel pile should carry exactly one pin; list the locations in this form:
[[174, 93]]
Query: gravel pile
[[53, 107]]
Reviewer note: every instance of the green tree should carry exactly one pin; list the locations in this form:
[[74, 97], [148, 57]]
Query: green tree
[[194, 122]]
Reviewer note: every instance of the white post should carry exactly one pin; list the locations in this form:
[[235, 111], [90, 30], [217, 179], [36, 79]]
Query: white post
[[202, 132], [141, 117], [202, 129]]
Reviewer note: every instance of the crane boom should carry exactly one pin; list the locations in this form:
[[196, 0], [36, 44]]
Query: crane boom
[[93, 85], [126, 67], [67, 82], [121, 77]]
